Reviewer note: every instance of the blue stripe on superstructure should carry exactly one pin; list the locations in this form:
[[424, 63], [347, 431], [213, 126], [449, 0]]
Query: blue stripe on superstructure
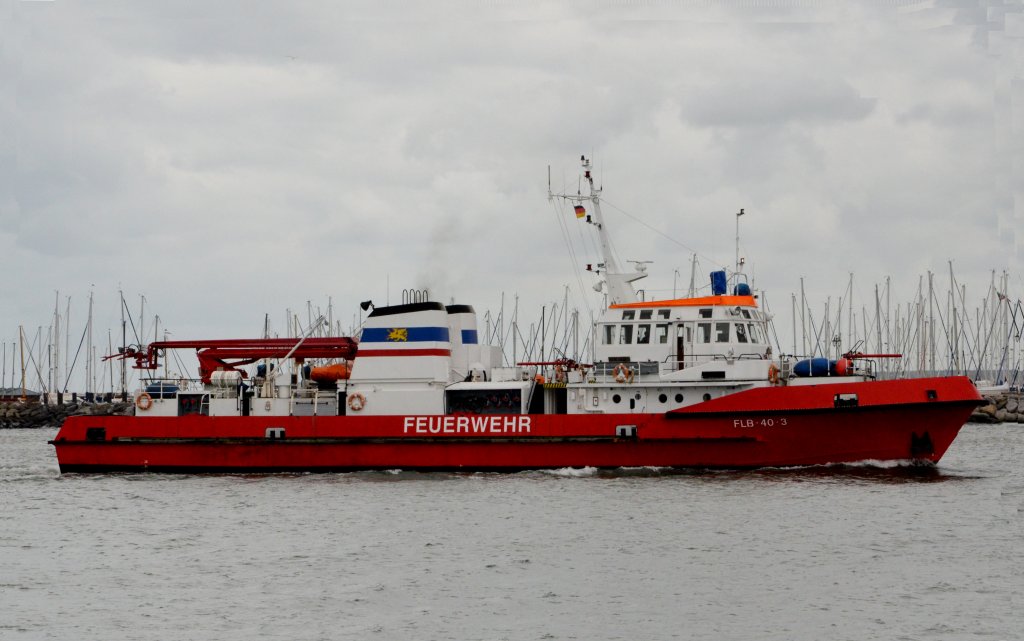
[[469, 337], [412, 334]]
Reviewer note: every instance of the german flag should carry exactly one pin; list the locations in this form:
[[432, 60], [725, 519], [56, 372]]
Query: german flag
[[580, 211]]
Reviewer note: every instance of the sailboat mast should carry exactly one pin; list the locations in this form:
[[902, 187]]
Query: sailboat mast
[[693, 274], [56, 342], [21, 350], [124, 343], [89, 353]]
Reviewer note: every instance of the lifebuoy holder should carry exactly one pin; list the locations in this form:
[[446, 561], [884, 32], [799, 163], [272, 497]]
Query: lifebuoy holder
[[773, 374], [144, 401], [559, 373], [356, 401], [622, 373]]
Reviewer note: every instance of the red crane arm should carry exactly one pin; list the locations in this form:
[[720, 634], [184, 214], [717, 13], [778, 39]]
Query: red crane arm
[[229, 354]]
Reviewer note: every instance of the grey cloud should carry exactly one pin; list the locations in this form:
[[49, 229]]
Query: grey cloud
[[774, 102]]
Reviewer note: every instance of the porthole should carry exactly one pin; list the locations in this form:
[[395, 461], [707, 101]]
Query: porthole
[[679, 398], [616, 398], [663, 398], [707, 397]]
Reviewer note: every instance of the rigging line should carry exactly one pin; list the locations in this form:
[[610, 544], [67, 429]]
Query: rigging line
[[771, 323], [574, 259], [588, 241], [138, 341], [32, 361], [75, 360], [661, 233], [584, 238], [181, 366], [593, 245], [566, 237]]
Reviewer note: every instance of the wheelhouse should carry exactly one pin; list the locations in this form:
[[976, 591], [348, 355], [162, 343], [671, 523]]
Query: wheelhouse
[[684, 333]]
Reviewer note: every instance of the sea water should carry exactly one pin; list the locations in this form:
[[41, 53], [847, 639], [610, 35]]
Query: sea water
[[836, 552]]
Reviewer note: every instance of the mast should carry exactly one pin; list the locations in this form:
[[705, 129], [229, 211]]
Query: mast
[[736, 275], [803, 317], [110, 366], [21, 350], [89, 353], [38, 361], [515, 331], [793, 299], [931, 324], [142, 317], [330, 315], [878, 326], [956, 337], [543, 333], [67, 344], [619, 288], [55, 345], [693, 273], [124, 343], [850, 325]]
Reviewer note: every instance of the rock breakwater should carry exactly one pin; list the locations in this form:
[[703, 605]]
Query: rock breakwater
[[1000, 408], [24, 415]]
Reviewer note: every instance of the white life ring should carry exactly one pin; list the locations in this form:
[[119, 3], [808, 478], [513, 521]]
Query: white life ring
[[622, 373], [144, 401], [356, 402]]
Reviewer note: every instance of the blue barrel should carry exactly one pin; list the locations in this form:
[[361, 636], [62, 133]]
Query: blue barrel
[[814, 367], [719, 283]]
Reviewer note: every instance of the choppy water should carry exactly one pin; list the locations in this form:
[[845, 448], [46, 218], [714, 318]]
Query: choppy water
[[823, 553]]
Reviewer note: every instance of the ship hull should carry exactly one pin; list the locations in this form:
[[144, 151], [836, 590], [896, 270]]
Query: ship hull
[[914, 419]]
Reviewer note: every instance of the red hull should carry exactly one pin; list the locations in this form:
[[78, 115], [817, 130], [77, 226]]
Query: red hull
[[777, 426]]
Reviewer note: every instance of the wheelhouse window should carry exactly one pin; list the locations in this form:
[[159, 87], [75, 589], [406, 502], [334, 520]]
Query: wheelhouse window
[[609, 334], [703, 332], [645, 314], [643, 334], [661, 333], [755, 336], [705, 312], [721, 332], [745, 312], [741, 333], [625, 334], [663, 313], [628, 314]]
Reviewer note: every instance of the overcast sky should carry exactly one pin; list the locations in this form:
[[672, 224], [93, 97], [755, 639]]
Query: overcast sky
[[233, 159]]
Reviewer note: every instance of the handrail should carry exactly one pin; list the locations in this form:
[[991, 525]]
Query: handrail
[[673, 365]]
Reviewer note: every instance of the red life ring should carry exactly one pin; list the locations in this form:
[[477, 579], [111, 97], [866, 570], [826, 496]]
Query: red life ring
[[144, 401], [773, 374], [356, 402], [622, 373]]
